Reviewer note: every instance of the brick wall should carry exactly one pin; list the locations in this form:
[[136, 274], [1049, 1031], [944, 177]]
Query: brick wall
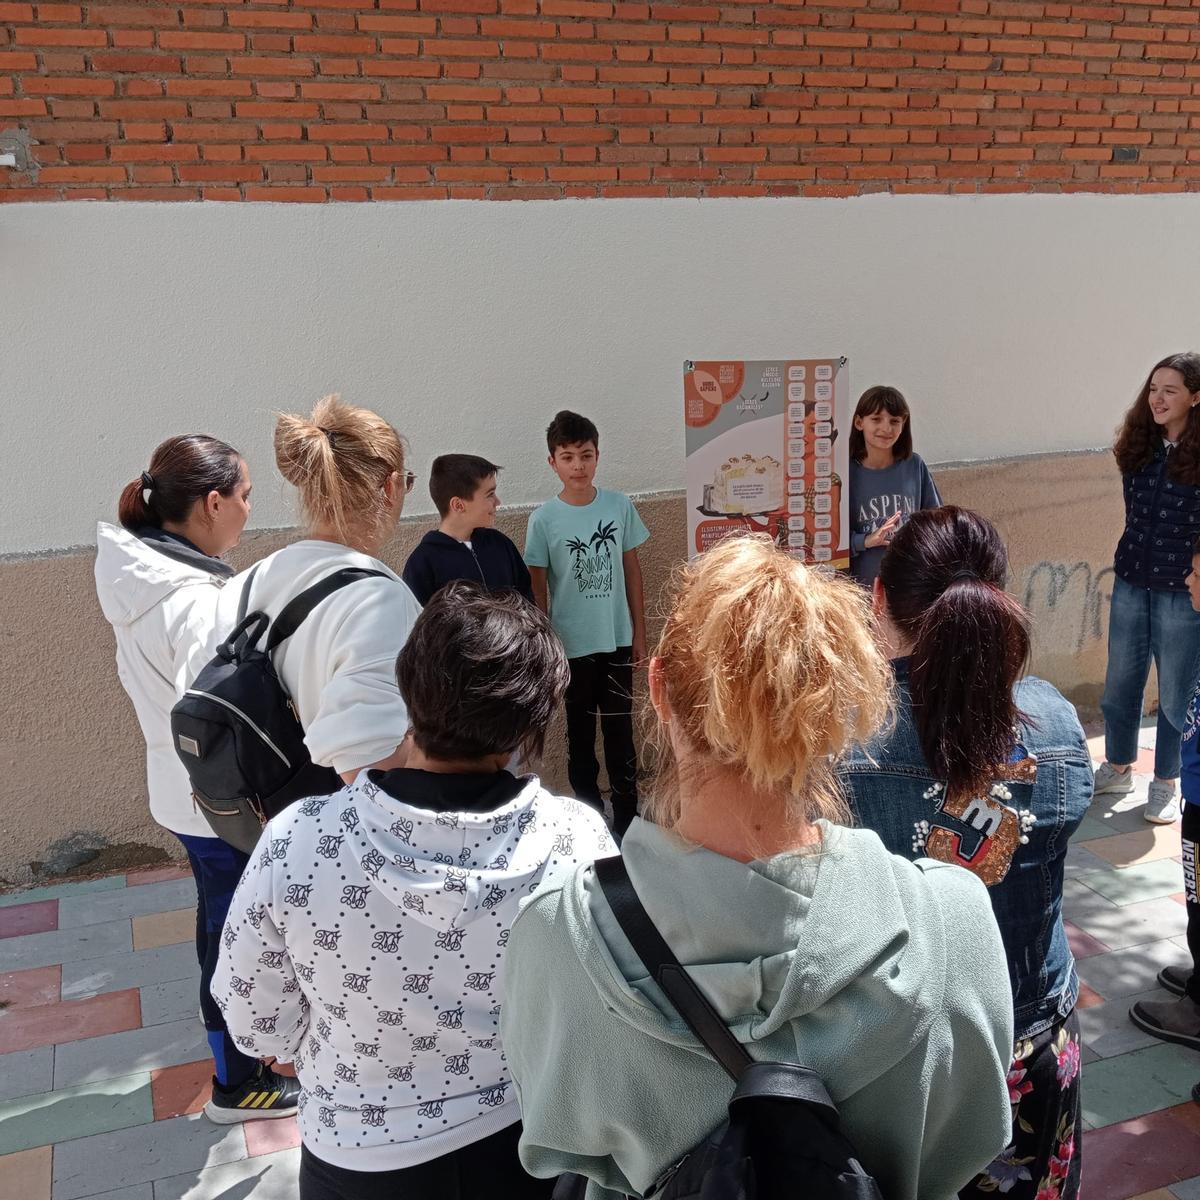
[[504, 99]]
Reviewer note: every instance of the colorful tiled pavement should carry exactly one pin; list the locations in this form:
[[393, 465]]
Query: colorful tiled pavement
[[103, 1065]]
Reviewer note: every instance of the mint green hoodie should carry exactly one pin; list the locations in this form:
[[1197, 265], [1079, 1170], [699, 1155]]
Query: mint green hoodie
[[885, 976]]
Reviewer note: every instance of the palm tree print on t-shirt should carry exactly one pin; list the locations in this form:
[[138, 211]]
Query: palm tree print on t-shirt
[[592, 561]]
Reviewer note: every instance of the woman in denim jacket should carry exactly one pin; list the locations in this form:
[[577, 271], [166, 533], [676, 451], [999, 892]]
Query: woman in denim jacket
[[994, 775]]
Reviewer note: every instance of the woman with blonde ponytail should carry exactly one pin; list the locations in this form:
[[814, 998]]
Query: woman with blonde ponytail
[[348, 465], [990, 772], [813, 943]]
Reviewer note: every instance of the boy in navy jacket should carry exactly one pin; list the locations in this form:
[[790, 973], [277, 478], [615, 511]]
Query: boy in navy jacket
[[465, 545]]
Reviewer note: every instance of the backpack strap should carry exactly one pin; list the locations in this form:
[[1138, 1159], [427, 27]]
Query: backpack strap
[[296, 609], [244, 600], [665, 969]]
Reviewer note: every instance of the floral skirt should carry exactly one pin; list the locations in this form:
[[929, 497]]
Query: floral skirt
[[1043, 1161]]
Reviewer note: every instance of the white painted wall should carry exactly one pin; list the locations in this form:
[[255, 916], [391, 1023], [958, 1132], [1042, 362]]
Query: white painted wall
[[1013, 324]]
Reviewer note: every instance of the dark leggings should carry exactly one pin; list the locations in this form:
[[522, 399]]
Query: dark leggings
[[1190, 839], [487, 1168], [217, 868]]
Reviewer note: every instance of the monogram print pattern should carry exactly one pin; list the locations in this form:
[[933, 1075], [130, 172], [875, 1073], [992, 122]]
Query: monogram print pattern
[[391, 922]]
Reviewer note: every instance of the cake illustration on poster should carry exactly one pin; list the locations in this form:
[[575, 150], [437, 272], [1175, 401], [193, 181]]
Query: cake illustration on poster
[[767, 450]]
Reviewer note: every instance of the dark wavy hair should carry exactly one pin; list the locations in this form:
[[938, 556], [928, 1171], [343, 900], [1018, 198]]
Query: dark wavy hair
[[481, 673], [1139, 434], [943, 576], [182, 470], [569, 429], [882, 398]]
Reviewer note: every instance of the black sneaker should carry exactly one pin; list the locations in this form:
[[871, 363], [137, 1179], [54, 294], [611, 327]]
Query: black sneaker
[[263, 1096], [1175, 979]]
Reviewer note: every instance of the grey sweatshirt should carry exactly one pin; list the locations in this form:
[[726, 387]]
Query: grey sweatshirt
[[904, 487]]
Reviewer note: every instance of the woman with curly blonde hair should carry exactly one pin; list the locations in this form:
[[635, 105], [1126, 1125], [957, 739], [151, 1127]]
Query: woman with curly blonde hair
[[1151, 617], [812, 942]]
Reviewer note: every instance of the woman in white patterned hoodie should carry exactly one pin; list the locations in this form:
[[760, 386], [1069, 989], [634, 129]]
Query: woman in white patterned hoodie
[[366, 940]]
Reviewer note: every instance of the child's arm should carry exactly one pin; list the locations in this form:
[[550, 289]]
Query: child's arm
[[637, 608], [541, 593], [418, 574], [930, 498]]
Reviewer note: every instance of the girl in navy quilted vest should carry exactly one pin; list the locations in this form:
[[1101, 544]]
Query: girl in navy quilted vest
[[1158, 451]]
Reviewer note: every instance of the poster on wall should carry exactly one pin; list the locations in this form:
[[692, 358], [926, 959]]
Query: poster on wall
[[767, 450]]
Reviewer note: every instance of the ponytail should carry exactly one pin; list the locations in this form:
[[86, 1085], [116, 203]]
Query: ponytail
[[182, 470], [339, 459], [943, 577]]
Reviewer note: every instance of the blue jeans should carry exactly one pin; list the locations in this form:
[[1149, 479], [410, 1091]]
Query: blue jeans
[[217, 868], [1145, 624]]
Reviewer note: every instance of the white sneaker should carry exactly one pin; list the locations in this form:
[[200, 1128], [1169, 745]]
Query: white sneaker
[[1108, 781], [1162, 804]]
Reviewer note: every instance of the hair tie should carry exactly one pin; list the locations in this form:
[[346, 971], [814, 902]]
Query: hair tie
[[960, 575], [147, 482]]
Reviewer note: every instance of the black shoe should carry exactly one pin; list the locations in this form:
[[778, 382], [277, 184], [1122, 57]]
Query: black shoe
[[1174, 979], [1196, 1093], [264, 1096]]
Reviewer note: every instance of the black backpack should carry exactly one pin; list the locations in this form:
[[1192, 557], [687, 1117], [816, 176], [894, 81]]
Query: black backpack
[[237, 731], [782, 1137]]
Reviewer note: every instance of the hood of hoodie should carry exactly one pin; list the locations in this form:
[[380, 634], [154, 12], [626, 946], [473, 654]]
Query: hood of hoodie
[[447, 869], [132, 576], [787, 948]]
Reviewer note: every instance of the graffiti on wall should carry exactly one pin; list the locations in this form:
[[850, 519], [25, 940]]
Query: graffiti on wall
[[1069, 604]]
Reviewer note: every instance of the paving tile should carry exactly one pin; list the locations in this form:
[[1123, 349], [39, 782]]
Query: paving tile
[[1147, 881], [1119, 926], [1157, 1194], [1090, 828], [141, 1191], [128, 902], [21, 989], [1149, 844], [25, 1175], [182, 1089], [1123, 815], [65, 946], [69, 1021], [123, 1053], [162, 1150], [164, 929], [21, 919], [26, 1072], [75, 1112], [1187, 1189], [1088, 1055], [1189, 1115], [1129, 972], [1132, 1085], [159, 874], [1088, 997], [269, 1137], [1083, 945], [1079, 859], [56, 891], [1107, 1029], [1137, 1155], [270, 1177], [173, 1000], [134, 968]]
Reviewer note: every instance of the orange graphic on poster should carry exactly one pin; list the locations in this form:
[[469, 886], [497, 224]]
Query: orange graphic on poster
[[707, 386]]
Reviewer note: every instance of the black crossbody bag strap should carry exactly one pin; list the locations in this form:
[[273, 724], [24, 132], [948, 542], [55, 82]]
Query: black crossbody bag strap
[[296, 609], [665, 969]]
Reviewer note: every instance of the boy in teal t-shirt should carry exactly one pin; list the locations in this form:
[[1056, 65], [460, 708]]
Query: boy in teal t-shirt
[[581, 550]]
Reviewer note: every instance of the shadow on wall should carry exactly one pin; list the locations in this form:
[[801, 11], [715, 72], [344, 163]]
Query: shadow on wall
[[72, 754]]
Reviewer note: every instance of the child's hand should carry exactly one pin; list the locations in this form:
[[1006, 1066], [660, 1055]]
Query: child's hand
[[639, 650], [884, 534]]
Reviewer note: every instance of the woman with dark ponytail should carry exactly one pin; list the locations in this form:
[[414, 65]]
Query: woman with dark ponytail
[[989, 771], [158, 575]]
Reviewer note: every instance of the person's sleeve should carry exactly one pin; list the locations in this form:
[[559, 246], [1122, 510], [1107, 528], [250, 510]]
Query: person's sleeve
[[930, 497], [1189, 777], [418, 574], [191, 633], [546, 1039], [537, 552], [858, 543], [361, 717], [521, 580], [968, 1118], [255, 985], [635, 529]]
